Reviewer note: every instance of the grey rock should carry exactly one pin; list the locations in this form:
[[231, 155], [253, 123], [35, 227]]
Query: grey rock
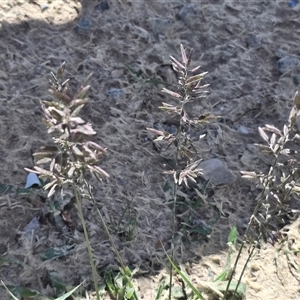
[[243, 130], [187, 11], [216, 172], [295, 79], [34, 224], [287, 63], [281, 53], [102, 6], [115, 93], [83, 27], [159, 26], [44, 6], [253, 41]]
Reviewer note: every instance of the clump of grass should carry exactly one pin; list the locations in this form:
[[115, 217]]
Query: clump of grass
[[186, 156], [73, 153], [276, 186]]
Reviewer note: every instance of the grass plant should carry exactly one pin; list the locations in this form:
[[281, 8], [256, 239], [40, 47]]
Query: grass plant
[[185, 154], [277, 186], [73, 154]]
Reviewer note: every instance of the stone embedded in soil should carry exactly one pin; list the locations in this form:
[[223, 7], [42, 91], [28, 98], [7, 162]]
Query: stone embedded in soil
[[102, 6], [32, 225], [83, 27], [296, 80], [293, 3], [115, 93], [187, 11], [172, 129], [253, 41], [44, 6], [243, 130], [216, 172], [287, 63], [159, 26]]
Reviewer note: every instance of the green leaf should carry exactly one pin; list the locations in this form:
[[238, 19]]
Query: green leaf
[[167, 187], [221, 276], [232, 237], [202, 229], [222, 285], [15, 298], [65, 296], [177, 293], [109, 282], [129, 293], [127, 272], [160, 290], [7, 189], [57, 282], [54, 253], [121, 293], [186, 280], [21, 291]]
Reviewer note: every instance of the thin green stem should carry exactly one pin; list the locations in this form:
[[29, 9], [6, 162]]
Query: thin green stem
[[174, 216], [106, 228], [87, 240], [111, 240]]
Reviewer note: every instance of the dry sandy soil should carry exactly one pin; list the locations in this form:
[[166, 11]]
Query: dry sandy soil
[[237, 42]]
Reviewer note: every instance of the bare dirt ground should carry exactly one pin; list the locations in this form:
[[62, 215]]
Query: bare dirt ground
[[237, 42]]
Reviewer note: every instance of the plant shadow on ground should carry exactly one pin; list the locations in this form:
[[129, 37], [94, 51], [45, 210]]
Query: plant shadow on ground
[[120, 110]]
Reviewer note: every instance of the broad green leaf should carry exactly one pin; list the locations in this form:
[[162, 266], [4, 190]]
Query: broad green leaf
[[129, 293], [222, 285], [109, 282]]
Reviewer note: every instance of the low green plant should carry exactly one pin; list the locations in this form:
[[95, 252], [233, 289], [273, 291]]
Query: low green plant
[[120, 286], [30, 294], [142, 79], [125, 227]]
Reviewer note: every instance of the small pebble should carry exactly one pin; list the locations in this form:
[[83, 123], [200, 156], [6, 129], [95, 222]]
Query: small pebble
[[115, 93], [293, 3], [160, 25], [102, 6], [287, 63], [242, 129], [186, 11], [83, 27], [44, 7], [216, 172], [32, 225], [253, 41]]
